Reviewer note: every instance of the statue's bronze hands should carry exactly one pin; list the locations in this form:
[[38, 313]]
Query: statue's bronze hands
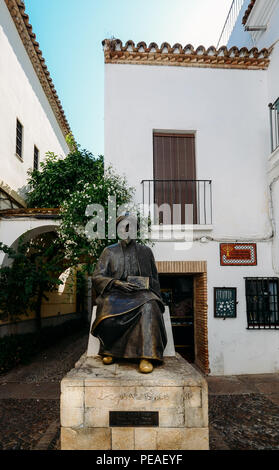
[[126, 286]]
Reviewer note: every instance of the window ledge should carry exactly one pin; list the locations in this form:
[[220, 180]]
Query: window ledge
[[179, 233], [19, 157], [273, 164], [262, 328], [188, 227]]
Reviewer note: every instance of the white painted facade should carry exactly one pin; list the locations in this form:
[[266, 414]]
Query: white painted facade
[[22, 97], [227, 109]]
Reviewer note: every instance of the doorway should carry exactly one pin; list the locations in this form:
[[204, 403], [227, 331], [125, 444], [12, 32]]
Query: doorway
[[178, 294]]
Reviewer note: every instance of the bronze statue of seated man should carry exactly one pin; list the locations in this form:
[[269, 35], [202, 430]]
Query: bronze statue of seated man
[[129, 320]]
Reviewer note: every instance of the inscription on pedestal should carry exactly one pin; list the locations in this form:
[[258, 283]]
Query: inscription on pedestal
[[133, 419]]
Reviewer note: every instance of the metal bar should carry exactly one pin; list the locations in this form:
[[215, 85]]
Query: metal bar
[[180, 202], [186, 199], [173, 202], [178, 191], [164, 180], [198, 204], [211, 208], [204, 202], [275, 129], [271, 125], [270, 301], [230, 21]]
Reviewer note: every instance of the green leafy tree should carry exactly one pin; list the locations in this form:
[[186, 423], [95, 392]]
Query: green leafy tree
[[73, 184], [34, 270], [79, 244], [57, 177]]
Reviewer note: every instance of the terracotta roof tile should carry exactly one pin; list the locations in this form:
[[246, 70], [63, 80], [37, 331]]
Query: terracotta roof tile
[[28, 212], [28, 37], [248, 11], [117, 53]]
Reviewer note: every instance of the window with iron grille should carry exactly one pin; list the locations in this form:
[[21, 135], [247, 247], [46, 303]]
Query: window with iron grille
[[19, 138], [36, 158], [262, 303]]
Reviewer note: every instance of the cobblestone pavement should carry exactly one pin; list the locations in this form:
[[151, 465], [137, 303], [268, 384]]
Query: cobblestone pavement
[[29, 397], [24, 422], [244, 422], [243, 410]]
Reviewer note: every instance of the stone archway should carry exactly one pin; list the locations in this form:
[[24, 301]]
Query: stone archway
[[28, 222], [61, 305], [30, 234], [199, 270]]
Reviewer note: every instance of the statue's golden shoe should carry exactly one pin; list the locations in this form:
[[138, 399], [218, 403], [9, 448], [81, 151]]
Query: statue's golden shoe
[[107, 360], [145, 366]]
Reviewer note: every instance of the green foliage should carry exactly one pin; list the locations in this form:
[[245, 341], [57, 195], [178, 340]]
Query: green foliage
[[71, 142], [19, 349], [33, 270], [73, 228], [73, 184], [59, 177]]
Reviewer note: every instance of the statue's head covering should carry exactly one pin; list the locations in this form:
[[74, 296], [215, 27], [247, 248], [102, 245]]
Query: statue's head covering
[[121, 217], [131, 222], [124, 216]]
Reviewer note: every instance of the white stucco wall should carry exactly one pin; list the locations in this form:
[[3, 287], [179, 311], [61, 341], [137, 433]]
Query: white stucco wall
[[233, 349], [22, 97], [227, 109]]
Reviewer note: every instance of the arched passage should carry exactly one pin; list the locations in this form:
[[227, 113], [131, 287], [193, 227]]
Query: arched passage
[[61, 304], [11, 229]]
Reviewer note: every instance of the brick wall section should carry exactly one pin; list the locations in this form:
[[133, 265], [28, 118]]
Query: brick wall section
[[201, 330]]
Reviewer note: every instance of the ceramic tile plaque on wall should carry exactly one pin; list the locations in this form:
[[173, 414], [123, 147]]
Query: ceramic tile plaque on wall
[[238, 254], [225, 302]]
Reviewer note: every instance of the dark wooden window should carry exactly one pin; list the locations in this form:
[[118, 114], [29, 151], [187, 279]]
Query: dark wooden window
[[262, 303], [19, 138], [36, 158], [175, 172]]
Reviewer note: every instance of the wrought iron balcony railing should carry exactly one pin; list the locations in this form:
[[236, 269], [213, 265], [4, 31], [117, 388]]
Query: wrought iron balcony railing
[[274, 124], [178, 202], [230, 22]]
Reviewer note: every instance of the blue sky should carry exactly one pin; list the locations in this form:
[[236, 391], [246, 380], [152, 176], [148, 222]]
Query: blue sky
[[70, 33]]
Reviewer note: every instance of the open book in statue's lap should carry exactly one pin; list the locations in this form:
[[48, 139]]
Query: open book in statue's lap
[[129, 321]]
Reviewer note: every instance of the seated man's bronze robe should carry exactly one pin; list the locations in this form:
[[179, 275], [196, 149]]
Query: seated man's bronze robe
[[128, 324]]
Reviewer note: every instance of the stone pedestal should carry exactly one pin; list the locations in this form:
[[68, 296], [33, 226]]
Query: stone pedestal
[[175, 391]]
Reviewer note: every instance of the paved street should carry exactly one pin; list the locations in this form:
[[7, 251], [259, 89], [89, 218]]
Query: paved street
[[243, 410], [29, 397]]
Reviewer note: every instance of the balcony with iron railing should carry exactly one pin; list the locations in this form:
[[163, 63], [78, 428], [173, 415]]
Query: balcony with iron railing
[[273, 159], [230, 22], [178, 202], [274, 124]]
